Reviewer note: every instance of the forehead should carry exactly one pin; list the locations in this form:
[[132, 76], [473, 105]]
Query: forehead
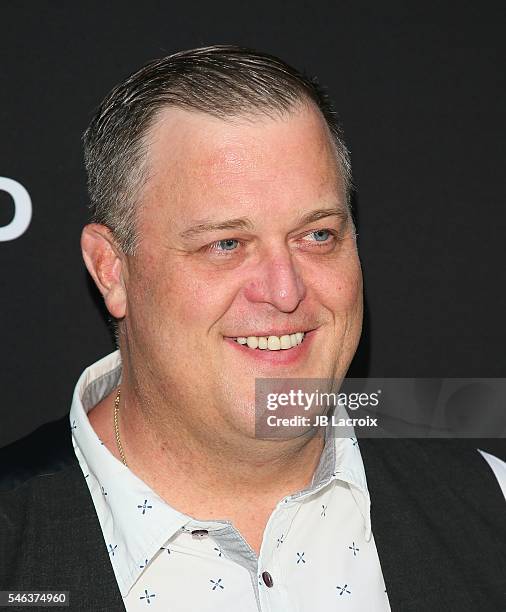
[[195, 159]]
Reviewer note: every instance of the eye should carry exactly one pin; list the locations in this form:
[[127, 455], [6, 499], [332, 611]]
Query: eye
[[227, 245], [221, 246], [321, 235], [324, 240]]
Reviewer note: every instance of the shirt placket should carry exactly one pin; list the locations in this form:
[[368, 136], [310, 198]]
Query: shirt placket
[[273, 594]]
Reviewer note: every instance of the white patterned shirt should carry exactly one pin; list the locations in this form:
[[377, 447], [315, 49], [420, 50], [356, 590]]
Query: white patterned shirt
[[317, 553]]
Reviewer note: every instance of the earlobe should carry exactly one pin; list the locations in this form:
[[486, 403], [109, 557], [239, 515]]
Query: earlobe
[[105, 264]]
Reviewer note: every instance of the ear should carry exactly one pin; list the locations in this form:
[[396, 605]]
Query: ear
[[107, 266]]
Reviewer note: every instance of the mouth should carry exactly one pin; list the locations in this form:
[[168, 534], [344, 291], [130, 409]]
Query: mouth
[[272, 343], [274, 349]]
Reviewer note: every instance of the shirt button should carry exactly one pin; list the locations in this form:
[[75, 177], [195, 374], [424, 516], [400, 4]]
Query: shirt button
[[199, 533], [267, 578]]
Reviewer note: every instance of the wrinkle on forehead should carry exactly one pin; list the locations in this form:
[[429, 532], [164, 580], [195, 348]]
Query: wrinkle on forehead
[[223, 145], [194, 156]]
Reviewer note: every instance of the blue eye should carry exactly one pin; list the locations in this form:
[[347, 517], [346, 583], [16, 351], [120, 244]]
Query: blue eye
[[227, 245], [321, 235]]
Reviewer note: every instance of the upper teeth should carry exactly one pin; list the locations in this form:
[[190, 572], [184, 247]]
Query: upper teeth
[[272, 343]]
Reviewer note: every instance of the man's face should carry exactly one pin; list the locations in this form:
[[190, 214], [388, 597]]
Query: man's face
[[244, 233]]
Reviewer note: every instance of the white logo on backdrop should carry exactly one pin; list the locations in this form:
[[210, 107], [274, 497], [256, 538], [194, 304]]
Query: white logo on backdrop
[[22, 209]]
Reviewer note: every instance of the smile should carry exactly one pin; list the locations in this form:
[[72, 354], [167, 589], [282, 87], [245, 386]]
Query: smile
[[272, 350], [271, 343]]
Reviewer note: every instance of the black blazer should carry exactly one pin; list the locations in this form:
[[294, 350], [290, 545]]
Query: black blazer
[[438, 519]]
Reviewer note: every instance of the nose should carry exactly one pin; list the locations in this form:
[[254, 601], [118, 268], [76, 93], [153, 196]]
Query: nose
[[277, 281]]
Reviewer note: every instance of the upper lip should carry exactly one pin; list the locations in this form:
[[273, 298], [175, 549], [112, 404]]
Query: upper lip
[[272, 332]]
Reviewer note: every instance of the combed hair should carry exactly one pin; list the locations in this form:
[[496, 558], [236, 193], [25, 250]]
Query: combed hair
[[222, 81]]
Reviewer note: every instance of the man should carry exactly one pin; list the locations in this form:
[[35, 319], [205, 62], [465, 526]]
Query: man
[[223, 246]]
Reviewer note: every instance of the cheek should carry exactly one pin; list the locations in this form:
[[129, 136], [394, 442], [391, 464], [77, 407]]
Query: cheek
[[340, 290], [175, 297]]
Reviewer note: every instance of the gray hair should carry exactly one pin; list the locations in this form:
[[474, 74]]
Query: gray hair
[[222, 81]]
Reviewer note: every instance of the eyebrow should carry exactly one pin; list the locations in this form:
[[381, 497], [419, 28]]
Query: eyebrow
[[244, 223], [322, 213], [209, 226]]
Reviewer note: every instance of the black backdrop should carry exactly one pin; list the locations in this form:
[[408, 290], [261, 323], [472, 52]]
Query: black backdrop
[[420, 89]]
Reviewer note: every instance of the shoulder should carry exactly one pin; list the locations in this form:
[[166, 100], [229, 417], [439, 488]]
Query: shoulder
[[435, 466], [41, 486], [46, 515], [454, 452], [47, 450], [457, 462]]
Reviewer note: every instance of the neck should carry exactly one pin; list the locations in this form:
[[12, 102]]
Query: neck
[[201, 466], [203, 471]]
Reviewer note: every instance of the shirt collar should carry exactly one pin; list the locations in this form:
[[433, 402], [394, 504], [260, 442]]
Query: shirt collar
[[341, 460], [135, 521]]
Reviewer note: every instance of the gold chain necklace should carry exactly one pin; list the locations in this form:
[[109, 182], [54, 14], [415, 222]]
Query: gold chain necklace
[[116, 427]]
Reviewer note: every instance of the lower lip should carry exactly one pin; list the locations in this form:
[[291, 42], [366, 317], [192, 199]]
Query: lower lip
[[274, 358]]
